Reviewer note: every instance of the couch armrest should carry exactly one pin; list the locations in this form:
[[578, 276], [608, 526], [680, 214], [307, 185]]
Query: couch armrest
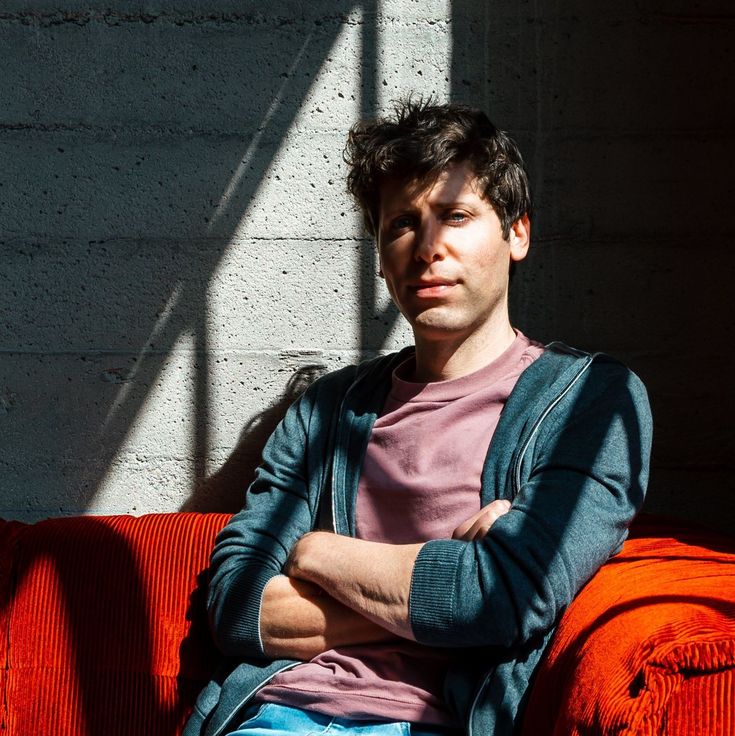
[[648, 646]]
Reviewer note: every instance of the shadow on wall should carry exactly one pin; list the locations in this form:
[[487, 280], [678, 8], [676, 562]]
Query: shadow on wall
[[132, 162], [620, 116], [224, 491]]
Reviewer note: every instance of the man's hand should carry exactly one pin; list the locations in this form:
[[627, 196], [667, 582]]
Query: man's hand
[[478, 525], [298, 620]]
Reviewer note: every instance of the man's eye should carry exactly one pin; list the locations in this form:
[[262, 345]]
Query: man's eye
[[402, 222], [456, 216]]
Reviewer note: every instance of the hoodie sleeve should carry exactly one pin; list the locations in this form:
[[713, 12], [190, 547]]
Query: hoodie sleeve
[[280, 507], [586, 483]]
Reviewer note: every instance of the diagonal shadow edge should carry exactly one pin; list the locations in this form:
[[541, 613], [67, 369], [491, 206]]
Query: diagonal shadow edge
[[375, 324], [151, 363]]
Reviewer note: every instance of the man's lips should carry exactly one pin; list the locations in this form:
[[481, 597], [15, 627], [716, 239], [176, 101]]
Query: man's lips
[[433, 288]]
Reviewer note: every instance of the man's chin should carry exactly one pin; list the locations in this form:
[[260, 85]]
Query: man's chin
[[435, 322]]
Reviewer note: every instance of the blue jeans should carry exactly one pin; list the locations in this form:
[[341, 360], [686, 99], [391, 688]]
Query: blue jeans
[[271, 719]]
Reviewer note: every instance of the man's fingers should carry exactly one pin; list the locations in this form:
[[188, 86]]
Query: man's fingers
[[461, 530], [479, 529], [479, 524]]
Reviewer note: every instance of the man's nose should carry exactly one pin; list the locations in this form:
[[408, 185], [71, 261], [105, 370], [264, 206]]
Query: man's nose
[[430, 246]]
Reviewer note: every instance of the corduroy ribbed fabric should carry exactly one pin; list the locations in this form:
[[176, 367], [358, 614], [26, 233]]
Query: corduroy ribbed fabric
[[9, 531], [101, 636], [703, 706], [648, 646], [98, 636]]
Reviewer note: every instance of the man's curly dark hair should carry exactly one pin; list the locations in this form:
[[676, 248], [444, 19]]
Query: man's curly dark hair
[[419, 141]]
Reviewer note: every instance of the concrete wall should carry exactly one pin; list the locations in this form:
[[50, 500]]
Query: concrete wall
[[179, 257]]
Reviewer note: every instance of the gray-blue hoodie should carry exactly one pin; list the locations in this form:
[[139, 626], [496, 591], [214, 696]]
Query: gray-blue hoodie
[[571, 451]]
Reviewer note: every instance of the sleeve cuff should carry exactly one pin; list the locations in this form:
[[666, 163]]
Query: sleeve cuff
[[433, 591], [245, 623]]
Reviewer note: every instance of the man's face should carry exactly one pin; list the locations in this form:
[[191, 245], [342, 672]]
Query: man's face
[[443, 255]]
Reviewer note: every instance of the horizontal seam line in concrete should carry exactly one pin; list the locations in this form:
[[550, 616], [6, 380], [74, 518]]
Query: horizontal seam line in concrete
[[284, 353], [677, 240], [688, 18], [559, 134], [33, 240], [158, 132], [112, 16]]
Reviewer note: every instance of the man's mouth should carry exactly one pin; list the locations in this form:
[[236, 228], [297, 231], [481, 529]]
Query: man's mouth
[[434, 288]]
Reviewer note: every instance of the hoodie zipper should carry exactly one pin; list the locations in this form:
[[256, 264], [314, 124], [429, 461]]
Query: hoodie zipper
[[544, 414], [342, 435], [338, 442], [220, 730], [516, 475]]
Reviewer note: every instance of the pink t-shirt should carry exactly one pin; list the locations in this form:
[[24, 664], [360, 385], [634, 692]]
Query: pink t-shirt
[[420, 480]]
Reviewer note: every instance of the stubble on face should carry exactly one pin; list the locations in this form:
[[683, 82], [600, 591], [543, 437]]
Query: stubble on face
[[443, 255]]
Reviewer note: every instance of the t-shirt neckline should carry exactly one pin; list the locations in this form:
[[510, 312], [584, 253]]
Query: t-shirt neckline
[[505, 364]]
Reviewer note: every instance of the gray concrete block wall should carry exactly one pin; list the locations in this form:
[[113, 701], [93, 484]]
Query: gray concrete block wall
[[177, 245], [179, 256], [625, 114]]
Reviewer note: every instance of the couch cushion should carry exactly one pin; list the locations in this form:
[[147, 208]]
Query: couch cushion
[[9, 531], [648, 646], [107, 633]]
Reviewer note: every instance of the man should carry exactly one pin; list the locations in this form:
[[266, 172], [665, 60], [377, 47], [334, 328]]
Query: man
[[390, 573]]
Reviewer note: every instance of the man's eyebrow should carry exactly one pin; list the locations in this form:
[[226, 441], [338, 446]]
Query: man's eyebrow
[[399, 210], [441, 203], [452, 202]]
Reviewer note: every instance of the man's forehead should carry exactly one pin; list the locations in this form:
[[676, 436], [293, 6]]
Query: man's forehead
[[446, 184]]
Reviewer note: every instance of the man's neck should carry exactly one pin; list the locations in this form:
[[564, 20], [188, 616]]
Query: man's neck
[[444, 360]]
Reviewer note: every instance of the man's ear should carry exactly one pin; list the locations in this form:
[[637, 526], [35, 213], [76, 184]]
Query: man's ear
[[520, 238]]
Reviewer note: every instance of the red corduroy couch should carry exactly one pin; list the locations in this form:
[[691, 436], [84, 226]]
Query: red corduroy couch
[[103, 632]]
